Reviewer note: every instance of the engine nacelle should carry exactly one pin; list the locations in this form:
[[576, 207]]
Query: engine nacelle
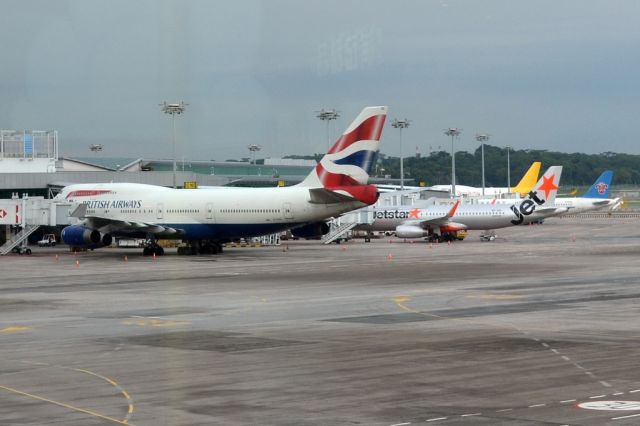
[[411, 231], [452, 227], [81, 236], [313, 230]]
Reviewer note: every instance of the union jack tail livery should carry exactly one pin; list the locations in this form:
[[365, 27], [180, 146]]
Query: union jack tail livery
[[346, 166]]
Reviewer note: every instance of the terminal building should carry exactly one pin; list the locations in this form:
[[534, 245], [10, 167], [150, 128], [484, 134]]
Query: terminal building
[[30, 164]]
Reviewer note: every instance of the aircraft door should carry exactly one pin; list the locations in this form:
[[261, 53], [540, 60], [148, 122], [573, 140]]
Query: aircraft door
[[287, 210], [209, 209], [160, 210]]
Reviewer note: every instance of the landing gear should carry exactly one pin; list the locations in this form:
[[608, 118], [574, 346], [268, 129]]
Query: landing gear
[[152, 248], [200, 247]]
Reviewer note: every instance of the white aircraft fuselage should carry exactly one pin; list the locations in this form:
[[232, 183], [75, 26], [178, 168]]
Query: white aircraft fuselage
[[224, 213]]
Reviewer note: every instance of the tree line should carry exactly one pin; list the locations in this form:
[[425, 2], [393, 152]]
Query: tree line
[[578, 169]]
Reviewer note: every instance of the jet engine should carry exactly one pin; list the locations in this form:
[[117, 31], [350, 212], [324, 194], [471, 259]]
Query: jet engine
[[313, 230], [81, 236], [411, 231]]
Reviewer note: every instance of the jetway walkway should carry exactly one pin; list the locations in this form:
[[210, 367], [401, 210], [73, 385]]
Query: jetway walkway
[[28, 214]]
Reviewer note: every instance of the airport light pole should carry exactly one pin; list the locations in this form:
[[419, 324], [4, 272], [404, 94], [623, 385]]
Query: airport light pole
[[508, 169], [482, 138], [401, 124], [454, 133], [328, 115], [173, 109]]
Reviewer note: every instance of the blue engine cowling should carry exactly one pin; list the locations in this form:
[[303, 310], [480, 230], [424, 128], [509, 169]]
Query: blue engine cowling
[[80, 236], [313, 230]]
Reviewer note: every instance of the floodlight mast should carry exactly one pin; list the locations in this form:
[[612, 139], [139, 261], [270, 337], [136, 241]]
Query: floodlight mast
[[401, 124], [482, 138], [173, 109], [508, 169], [454, 133], [328, 115]]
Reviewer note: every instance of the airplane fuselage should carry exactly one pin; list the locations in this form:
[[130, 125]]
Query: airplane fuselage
[[213, 213], [467, 216]]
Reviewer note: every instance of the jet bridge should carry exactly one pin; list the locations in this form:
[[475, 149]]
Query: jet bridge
[[25, 215]]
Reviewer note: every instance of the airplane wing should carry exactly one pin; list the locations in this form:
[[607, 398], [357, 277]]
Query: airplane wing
[[115, 226], [437, 220]]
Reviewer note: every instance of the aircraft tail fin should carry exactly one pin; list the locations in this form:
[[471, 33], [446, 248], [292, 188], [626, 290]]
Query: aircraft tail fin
[[602, 186], [528, 180], [547, 187], [350, 160]]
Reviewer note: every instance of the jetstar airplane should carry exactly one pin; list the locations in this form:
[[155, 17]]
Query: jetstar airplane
[[522, 188], [207, 218], [596, 198], [440, 221]]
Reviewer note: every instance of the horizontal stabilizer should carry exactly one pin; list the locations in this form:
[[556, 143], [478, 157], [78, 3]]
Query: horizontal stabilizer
[[324, 196]]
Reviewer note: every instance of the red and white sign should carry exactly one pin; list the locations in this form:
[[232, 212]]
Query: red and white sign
[[3, 214]]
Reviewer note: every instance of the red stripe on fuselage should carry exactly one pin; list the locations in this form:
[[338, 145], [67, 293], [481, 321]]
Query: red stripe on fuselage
[[369, 129], [87, 192]]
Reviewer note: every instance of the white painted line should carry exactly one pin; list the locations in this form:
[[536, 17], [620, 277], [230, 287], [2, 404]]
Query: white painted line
[[625, 417], [567, 400], [545, 345], [618, 393], [597, 396], [401, 424], [537, 405], [555, 351], [588, 373], [436, 419], [536, 339], [469, 415], [566, 358], [503, 410], [605, 384], [634, 391]]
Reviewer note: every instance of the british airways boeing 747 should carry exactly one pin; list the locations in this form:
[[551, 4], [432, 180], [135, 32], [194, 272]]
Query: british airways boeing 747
[[207, 218]]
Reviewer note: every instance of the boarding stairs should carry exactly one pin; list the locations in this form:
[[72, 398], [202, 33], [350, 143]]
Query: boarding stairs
[[337, 232], [18, 239]]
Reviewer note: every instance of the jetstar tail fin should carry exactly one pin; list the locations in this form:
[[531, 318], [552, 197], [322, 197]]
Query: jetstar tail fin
[[547, 187]]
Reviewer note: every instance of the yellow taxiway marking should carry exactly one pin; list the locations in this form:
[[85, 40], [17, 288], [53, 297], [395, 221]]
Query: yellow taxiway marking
[[152, 322], [100, 376], [496, 296], [399, 300], [15, 329], [115, 385], [70, 407]]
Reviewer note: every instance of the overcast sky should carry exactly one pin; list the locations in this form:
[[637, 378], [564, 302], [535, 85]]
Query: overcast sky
[[557, 75]]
